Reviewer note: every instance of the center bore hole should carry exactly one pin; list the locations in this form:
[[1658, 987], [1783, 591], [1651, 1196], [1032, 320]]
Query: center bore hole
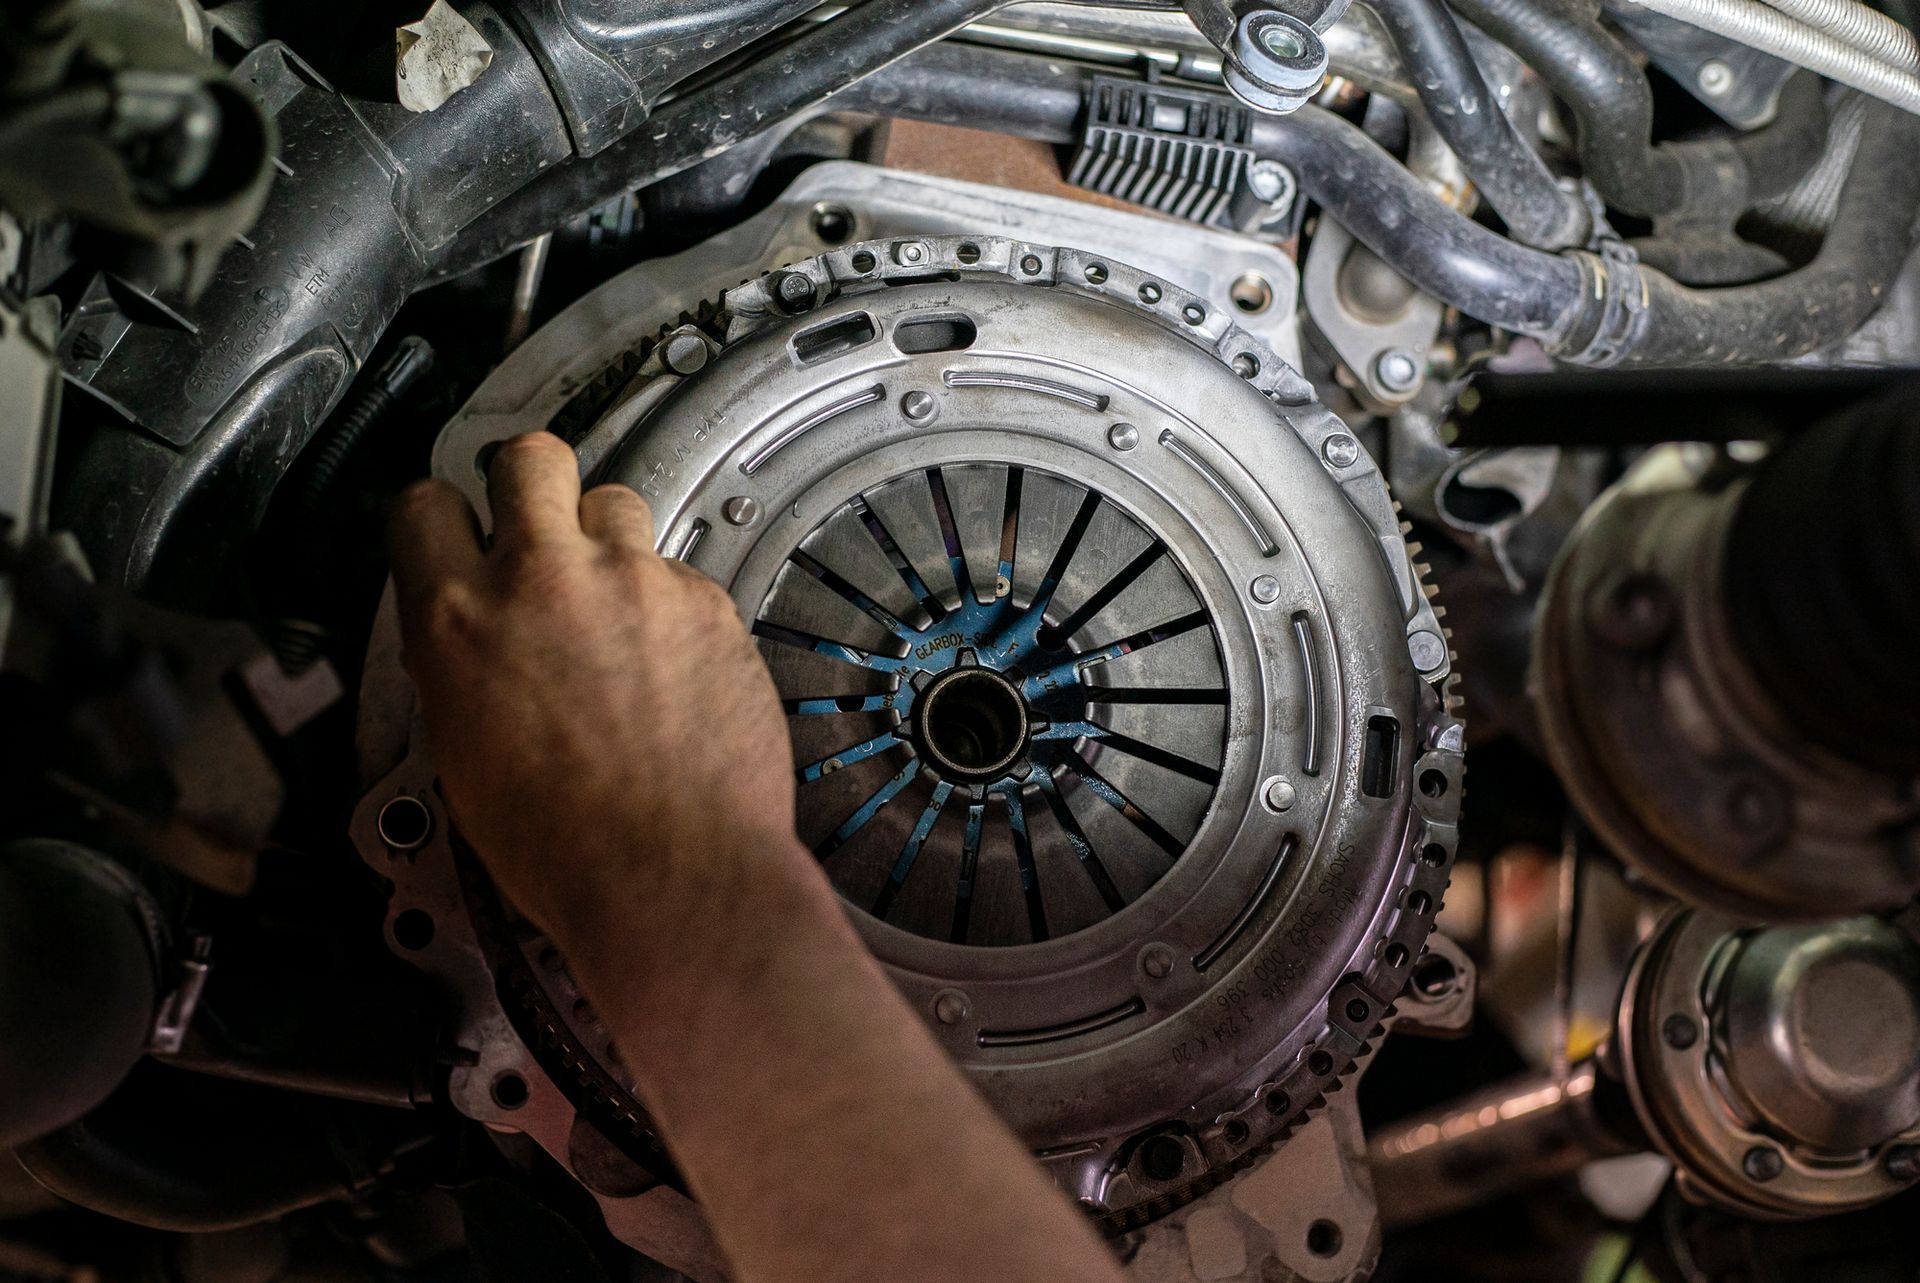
[[975, 721]]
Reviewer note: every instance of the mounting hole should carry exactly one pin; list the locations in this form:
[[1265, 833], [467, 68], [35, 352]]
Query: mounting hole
[[413, 929], [1320, 1064], [1097, 273], [405, 823], [1433, 855], [1150, 293], [968, 252], [1435, 976], [1396, 956], [833, 224], [1163, 1158], [510, 1090], [1433, 783], [863, 261], [1251, 293], [1419, 903], [1193, 313], [1278, 1103], [1236, 1133], [1324, 1239]]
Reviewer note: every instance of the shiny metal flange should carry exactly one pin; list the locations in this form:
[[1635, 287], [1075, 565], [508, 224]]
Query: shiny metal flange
[[1779, 1068], [1113, 690]]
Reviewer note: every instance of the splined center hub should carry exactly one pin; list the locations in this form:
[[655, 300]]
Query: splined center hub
[[972, 724]]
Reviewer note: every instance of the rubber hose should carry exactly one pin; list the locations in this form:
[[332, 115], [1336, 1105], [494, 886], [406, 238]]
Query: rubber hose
[[1823, 302], [1822, 582], [1612, 106], [189, 1155], [1508, 172]]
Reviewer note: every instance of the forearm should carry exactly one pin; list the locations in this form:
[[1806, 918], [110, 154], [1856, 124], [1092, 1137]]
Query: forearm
[[817, 1121]]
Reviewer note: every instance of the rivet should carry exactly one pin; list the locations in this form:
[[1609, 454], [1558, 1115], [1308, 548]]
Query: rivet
[[740, 510], [918, 405], [950, 1006], [1279, 794], [1123, 436], [1428, 650], [1157, 961], [1679, 1031], [1762, 1164], [1340, 450], [1265, 590]]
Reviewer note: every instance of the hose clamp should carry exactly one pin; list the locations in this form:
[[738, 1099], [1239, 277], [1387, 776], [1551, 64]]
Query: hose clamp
[[1615, 291]]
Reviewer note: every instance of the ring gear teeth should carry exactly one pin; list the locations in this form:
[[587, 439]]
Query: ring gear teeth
[[1388, 927]]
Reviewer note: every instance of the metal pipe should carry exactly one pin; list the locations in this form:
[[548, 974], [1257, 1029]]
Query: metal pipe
[[1751, 23], [1514, 1134], [1852, 23], [526, 289]]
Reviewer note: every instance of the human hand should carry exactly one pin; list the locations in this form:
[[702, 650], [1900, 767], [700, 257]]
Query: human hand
[[602, 724]]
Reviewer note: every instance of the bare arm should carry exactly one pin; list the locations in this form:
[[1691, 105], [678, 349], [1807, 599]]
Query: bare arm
[[613, 748]]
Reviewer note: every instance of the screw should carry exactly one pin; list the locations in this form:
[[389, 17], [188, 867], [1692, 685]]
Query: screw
[[918, 405], [686, 354], [1634, 612], [1268, 180], [1397, 370], [1265, 590], [1762, 1164], [912, 252], [1123, 436], [1279, 794], [740, 510], [1715, 78], [1680, 1032], [1429, 652], [1157, 961], [1902, 1163], [950, 1006], [793, 292], [1340, 450]]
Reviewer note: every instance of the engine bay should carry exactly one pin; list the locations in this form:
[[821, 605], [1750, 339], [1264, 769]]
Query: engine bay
[[1342, 580]]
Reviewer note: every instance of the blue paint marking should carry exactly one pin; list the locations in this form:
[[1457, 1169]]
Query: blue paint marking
[[848, 756]]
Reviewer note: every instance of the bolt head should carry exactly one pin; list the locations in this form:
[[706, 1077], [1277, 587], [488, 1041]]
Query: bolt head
[[1265, 590], [740, 510], [950, 1006], [919, 406], [1715, 78], [793, 292], [1762, 1164], [1397, 370], [1634, 612], [1279, 794], [1268, 180], [1123, 436], [1340, 450]]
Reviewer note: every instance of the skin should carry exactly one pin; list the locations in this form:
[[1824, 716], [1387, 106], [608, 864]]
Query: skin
[[612, 747]]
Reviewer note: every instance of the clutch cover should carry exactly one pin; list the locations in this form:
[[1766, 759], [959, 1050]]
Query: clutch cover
[[1114, 695]]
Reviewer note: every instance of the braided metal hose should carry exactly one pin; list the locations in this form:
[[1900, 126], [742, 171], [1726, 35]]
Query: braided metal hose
[[1852, 23], [1771, 31]]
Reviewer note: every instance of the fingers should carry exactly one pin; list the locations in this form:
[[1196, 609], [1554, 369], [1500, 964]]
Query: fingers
[[616, 515], [533, 485], [432, 537]]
